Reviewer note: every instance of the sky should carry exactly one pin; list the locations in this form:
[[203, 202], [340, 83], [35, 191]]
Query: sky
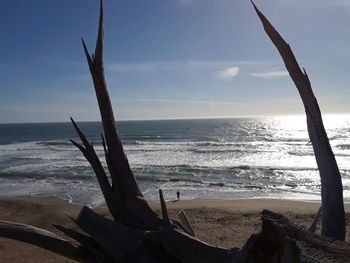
[[170, 58]]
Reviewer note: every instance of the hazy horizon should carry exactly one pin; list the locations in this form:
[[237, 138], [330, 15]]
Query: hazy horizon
[[325, 116]]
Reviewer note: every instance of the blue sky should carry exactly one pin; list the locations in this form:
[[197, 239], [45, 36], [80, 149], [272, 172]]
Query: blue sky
[[170, 58]]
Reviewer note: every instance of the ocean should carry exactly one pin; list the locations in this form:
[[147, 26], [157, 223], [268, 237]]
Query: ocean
[[202, 158]]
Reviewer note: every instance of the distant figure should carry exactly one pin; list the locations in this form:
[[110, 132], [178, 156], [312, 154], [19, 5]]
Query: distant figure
[[178, 195]]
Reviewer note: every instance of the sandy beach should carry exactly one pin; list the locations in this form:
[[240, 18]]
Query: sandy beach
[[223, 223]]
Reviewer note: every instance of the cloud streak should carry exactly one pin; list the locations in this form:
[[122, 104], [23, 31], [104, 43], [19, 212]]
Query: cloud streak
[[228, 73], [176, 65], [270, 74], [179, 101]]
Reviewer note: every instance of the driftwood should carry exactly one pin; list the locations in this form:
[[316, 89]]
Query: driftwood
[[333, 215], [124, 198], [109, 241], [138, 234], [44, 239], [314, 248], [314, 223]]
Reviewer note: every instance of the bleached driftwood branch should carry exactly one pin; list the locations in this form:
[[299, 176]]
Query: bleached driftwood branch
[[125, 202], [333, 215], [314, 248], [45, 239]]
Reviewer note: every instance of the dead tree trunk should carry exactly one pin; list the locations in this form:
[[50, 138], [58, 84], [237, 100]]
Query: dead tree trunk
[[124, 198], [333, 216]]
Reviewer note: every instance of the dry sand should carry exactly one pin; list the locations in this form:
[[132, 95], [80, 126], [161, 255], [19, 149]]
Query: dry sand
[[223, 223]]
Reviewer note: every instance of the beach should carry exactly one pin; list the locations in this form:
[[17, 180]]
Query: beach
[[225, 223]]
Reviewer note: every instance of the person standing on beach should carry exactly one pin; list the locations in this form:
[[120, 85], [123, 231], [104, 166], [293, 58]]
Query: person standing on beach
[[178, 195]]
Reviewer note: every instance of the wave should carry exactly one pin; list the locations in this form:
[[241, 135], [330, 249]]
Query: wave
[[54, 143], [149, 178], [301, 153], [39, 176], [185, 167], [343, 146], [145, 137], [286, 139], [207, 151]]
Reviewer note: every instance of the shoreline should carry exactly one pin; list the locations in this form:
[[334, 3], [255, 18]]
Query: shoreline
[[225, 223], [252, 204]]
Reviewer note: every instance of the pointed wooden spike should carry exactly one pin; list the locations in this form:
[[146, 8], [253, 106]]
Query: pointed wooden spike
[[70, 217], [314, 223], [253, 4], [270, 30], [164, 209], [81, 134], [186, 223], [109, 164], [130, 202], [80, 147], [87, 55], [119, 161], [71, 233], [92, 158], [99, 42], [333, 215]]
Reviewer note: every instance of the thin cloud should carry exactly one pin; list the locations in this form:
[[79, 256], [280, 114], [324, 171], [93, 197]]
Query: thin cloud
[[228, 73], [176, 65], [225, 63], [179, 101], [270, 74], [139, 67]]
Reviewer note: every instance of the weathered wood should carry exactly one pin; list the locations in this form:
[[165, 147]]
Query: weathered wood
[[120, 242], [164, 209], [186, 223], [109, 241], [314, 223], [45, 239], [113, 199], [291, 252], [109, 162], [118, 158], [128, 205], [314, 248], [333, 215], [117, 240], [269, 246], [90, 154], [119, 161], [91, 245], [188, 249]]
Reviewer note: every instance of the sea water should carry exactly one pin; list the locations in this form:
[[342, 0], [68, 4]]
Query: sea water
[[202, 158]]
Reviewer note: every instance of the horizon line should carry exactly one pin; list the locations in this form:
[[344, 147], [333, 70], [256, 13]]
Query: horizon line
[[185, 118]]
